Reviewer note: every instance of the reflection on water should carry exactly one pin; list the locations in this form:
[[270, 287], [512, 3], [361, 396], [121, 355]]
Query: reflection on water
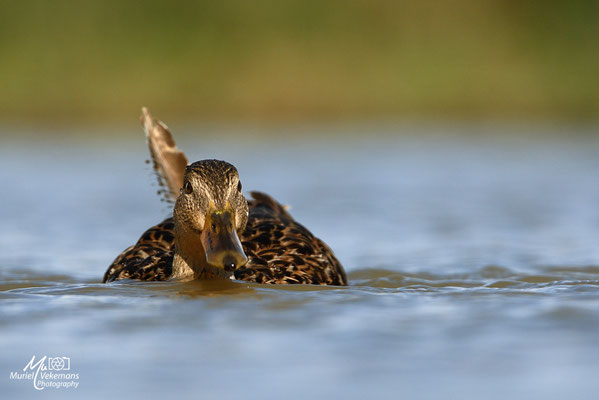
[[474, 270], [491, 280]]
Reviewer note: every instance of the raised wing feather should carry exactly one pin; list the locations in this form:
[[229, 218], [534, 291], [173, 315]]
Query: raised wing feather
[[169, 162]]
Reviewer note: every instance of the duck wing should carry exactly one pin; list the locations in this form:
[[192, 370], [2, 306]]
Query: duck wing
[[168, 161], [150, 259], [280, 250]]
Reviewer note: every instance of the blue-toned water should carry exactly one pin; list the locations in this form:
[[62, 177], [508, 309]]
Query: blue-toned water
[[473, 258]]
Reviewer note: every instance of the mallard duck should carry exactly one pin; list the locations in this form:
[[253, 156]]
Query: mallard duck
[[215, 233]]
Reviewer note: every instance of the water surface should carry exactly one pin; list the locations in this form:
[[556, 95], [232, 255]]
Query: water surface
[[473, 262]]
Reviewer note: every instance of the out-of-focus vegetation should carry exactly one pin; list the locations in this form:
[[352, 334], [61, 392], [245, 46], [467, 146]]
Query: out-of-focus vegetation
[[294, 59]]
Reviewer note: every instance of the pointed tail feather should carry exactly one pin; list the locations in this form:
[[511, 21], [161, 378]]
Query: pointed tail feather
[[169, 162]]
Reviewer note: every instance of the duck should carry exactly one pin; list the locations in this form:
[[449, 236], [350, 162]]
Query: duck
[[215, 232]]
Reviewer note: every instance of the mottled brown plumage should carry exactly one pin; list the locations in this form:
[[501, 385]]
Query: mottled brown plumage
[[279, 250]]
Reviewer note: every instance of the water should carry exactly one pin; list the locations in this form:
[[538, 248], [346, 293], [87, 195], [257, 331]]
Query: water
[[473, 262]]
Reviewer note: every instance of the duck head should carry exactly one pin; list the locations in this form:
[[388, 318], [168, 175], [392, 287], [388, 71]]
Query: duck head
[[210, 214]]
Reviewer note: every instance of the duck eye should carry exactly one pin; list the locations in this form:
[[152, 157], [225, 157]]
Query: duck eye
[[239, 187], [188, 188]]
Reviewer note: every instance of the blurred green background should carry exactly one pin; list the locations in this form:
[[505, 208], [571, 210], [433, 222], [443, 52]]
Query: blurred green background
[[300, 60]]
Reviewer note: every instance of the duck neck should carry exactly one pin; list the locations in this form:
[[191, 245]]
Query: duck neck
[[189, 261]]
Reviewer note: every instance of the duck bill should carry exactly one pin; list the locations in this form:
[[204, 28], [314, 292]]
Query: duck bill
[[221, 243]]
